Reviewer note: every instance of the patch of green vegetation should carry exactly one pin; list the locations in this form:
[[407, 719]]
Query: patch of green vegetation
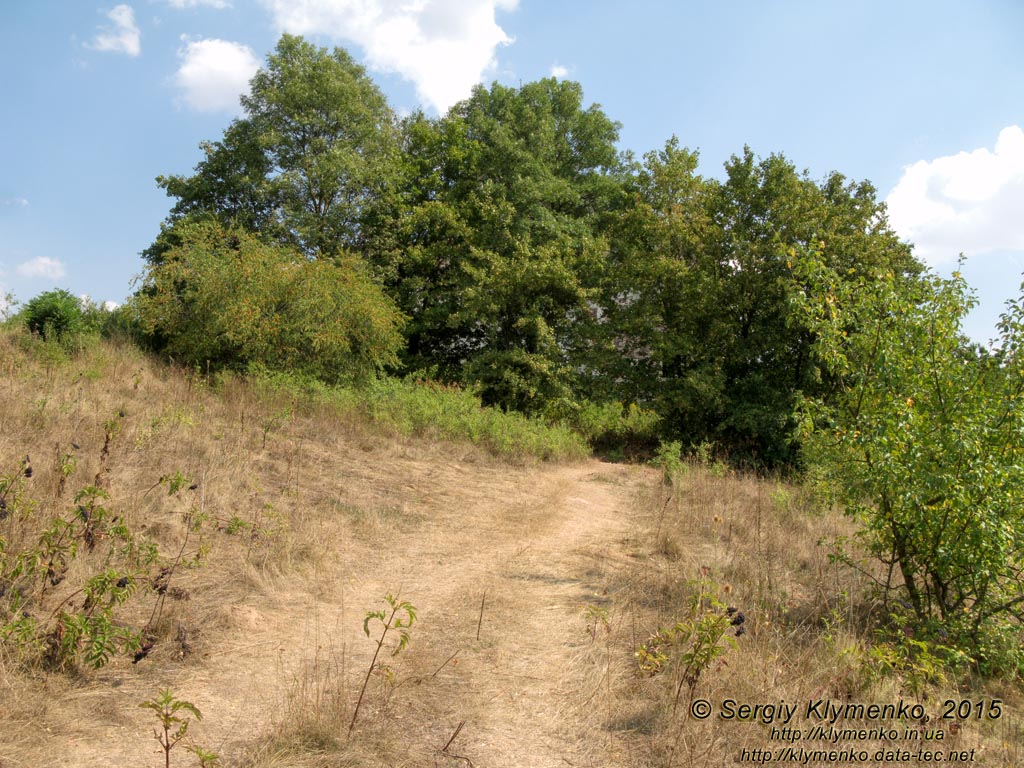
[[432, 410]]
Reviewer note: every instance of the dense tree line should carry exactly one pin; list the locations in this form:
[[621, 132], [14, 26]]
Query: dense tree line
[[515, 249]]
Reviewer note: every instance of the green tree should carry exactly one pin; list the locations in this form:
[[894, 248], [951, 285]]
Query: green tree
[[698, 300], [231, 184], [503, 239], [309, 163], [226, 297], [920, 437], [658, 299]]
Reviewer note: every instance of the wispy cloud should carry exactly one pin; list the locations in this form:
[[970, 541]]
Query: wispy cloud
[[121, 35], [181, 4], [970, 202], [444, 47], [559, 71], [214, 73], [41, 266], [12, 202]]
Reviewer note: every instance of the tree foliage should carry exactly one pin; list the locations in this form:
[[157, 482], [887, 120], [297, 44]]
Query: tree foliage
[[698, 303], [502, 240], [533, 261], [920, 437], [309, 162], [225, 297]]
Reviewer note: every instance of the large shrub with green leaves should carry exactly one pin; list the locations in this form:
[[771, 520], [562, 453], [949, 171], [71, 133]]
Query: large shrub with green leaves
[[227, 298], [920, 437], [55, 316]]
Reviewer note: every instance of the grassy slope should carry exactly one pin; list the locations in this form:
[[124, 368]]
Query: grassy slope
[[763, 547], [318, 503]]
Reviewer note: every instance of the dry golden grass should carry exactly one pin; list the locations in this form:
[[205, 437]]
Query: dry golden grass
[[535, 584], [762, 546], [265, 636]]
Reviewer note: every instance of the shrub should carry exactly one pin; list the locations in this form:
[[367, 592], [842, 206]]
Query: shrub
[[517, 380], [921, 442], [615, 430], [55, 316], [224, 297]]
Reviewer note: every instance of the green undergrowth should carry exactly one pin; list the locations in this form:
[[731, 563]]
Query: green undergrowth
[[434, 411]]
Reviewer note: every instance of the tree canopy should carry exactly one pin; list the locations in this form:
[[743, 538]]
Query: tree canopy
[[314, 154], [533, 261], [502, 244], [698, 300]]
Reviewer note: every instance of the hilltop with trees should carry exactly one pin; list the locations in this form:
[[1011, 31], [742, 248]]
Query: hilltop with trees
[[331, 279], [520, 255]]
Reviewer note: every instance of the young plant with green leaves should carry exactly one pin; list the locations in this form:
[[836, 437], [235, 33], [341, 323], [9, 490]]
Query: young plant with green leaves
[[668, 458], [172, 715], [689, 647], [919, 436], [399, 616], [38, 622]]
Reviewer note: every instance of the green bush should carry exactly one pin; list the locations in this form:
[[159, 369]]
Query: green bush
[[124, 324], [922, 444], [520, 381], [615, 430], [225, 298], [55, 316], [669, 458]]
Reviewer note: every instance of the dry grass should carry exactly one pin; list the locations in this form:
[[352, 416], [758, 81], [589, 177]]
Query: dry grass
[[762, 546], [535, 584], [311, 517]]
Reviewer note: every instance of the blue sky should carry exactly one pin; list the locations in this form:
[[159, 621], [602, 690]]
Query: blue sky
[[924, 99]]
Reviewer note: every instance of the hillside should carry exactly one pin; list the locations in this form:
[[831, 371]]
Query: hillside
[[279, 523]]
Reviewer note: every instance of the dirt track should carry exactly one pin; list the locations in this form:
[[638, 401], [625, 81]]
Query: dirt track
[[536, 546]]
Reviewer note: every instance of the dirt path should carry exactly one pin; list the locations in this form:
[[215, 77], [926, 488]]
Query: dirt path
[[527, 691], [537, 547]]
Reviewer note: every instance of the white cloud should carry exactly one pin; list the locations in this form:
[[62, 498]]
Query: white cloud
[[122, 36], [42, 266], [181, 4], [214, 73], [970, 202], [20, 202], [557, 70], [85, 301], [443, 46]]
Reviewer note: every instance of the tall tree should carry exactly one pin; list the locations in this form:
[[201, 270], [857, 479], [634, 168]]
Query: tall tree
[[700, 300], [308, 164], [504, 238]]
